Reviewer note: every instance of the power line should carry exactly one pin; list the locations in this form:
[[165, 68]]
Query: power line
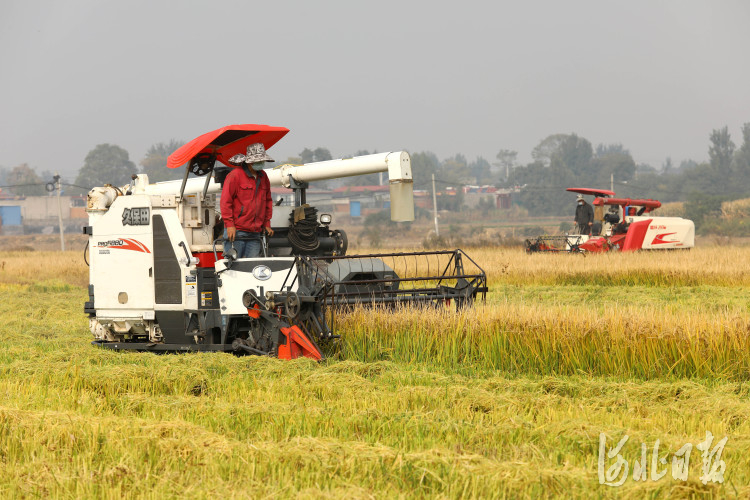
[[44, 184], [23, 185]]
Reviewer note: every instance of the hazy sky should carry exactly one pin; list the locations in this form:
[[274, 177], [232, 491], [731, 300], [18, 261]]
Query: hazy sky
[[448, 77]]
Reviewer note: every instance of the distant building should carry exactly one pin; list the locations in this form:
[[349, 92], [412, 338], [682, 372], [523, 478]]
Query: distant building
[[362, 200], [11, 221], [40, 212]]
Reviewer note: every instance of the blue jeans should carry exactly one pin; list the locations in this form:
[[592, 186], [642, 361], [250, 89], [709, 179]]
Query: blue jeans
[[248, 245]]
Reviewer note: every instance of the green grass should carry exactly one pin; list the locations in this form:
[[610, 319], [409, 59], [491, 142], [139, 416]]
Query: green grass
[[505, 400]]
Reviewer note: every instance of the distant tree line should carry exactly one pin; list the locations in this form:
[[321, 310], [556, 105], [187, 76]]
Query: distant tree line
[[566, 160], [559, 161], [105, 164]]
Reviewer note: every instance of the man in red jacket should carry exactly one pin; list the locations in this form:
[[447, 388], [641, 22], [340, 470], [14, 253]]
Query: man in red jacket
[[246, 204]]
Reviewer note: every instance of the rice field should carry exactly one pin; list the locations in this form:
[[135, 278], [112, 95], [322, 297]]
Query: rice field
[[507, 399]]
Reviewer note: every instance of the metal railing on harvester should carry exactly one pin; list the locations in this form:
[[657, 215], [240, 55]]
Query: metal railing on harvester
[[554, 243], [394, 278], [326, 284]]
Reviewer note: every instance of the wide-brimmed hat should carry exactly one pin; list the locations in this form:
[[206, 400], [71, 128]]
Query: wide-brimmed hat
[[237, 159], [579, 197], [256, 152]]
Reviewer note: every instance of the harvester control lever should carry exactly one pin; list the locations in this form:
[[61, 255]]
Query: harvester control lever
[[188, 257]]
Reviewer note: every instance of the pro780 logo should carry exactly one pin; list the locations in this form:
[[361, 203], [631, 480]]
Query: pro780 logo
[[123, 244]]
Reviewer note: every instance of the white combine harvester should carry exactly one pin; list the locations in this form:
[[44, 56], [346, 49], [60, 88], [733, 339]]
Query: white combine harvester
[[159, 283]]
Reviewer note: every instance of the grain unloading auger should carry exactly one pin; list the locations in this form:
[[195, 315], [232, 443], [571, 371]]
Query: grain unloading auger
[[158, 283]]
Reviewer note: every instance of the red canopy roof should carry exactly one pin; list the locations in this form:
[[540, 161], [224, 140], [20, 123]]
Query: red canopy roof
[[592, 191], [625, 202], [227, 142]]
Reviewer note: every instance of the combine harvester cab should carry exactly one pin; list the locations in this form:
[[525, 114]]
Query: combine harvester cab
[[159, 282], [621, 224]]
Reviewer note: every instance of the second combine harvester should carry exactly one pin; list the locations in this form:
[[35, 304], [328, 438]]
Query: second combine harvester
[[158, 283]]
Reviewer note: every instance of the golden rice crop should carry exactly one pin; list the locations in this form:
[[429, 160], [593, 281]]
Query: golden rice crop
[[33, 267], [671, 209], [723, 266], [501, 400], [709, 265], [623, 340], [736, 209]]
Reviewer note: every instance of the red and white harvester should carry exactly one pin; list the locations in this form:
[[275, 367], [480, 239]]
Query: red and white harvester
[[621, 224], [159, 283]]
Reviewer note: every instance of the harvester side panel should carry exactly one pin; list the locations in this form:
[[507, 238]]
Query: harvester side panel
[[167, 286], [182, 275], [665, 233], [122, 259], [636, 234]]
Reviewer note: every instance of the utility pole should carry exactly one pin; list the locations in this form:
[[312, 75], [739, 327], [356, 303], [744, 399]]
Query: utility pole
[[59, 211], [612, 181], [434, 206]]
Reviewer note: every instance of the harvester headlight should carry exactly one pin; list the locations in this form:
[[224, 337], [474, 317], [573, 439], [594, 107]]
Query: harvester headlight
[[325, 219]]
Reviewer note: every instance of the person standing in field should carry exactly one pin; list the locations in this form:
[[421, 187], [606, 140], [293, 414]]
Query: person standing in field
[[246, 204], [584, 218]]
